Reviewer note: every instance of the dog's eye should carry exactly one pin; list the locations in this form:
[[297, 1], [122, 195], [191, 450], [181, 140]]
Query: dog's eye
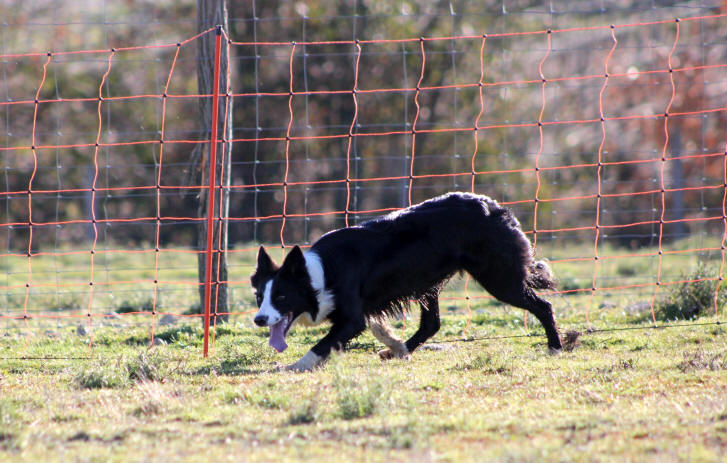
[[259, 298], [280, 298]]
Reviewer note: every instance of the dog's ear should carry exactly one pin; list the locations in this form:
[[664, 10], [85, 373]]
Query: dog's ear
[[265, 264], [294, 263]]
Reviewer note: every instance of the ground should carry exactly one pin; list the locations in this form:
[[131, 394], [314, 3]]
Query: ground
[[484, 389], [651, 395]]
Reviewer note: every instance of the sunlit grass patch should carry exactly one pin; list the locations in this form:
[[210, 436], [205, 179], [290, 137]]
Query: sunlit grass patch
[[358, 395], [122, 372], [496, 397]]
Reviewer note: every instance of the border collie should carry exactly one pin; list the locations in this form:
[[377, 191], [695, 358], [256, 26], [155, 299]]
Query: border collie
[[371, 271]]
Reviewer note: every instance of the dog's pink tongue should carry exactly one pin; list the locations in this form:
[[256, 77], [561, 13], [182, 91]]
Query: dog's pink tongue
[[277, 336]]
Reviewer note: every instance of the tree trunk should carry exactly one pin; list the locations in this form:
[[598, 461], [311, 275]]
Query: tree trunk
[[211, 13]]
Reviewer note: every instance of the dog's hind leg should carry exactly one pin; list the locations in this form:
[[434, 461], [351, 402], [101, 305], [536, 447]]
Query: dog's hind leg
[[515, 292], [429, 323], [382, 331]]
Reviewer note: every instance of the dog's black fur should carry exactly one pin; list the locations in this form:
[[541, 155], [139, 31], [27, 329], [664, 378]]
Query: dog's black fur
[[375, 268]]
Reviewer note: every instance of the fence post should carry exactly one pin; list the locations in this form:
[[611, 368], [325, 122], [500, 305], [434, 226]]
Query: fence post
[[211, 189]]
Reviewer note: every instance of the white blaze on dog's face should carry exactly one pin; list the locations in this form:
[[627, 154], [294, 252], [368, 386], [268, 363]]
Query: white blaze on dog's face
[[266, 309], [263, 280], [268, 314]]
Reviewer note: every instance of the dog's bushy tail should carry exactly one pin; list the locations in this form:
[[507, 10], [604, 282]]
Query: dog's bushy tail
[[540, 276]]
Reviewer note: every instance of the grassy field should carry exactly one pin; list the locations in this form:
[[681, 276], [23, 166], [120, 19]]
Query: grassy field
[[484, 389]]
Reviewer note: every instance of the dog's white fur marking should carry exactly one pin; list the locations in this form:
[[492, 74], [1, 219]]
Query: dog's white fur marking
[[308, 362], [267, 307], [326, 303], [382, 331]]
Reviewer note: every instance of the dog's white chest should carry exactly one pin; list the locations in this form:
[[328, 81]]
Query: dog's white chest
[[326, 304]]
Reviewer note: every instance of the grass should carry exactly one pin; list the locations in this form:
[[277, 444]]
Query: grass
[[356, 398], [696, 295], [644, 395], [638, 394]]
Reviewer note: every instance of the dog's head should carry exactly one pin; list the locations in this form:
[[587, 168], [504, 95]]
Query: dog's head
[[283, 294]]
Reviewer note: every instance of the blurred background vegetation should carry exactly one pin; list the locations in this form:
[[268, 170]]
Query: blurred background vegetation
[[30, 26]]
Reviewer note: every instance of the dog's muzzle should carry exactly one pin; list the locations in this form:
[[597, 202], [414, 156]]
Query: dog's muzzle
[[261, 320]]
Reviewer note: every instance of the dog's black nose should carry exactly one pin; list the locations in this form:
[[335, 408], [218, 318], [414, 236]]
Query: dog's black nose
[[261, 320]]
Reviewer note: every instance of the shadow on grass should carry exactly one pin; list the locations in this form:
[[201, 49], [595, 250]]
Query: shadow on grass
[[229, 368], [237, 358]]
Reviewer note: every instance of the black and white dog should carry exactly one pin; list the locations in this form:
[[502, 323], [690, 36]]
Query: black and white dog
[[372, 270]]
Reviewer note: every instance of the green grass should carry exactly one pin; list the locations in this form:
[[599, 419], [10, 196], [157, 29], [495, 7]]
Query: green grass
[[637, 395], [486, 391]]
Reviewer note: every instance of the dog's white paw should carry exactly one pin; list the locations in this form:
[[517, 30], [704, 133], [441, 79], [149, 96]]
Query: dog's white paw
[[307, 363], [552, 351], [298, 368], [388, 354]]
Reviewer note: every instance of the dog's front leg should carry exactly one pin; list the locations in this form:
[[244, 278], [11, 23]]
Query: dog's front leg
[[341, 333], [306, 363]]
